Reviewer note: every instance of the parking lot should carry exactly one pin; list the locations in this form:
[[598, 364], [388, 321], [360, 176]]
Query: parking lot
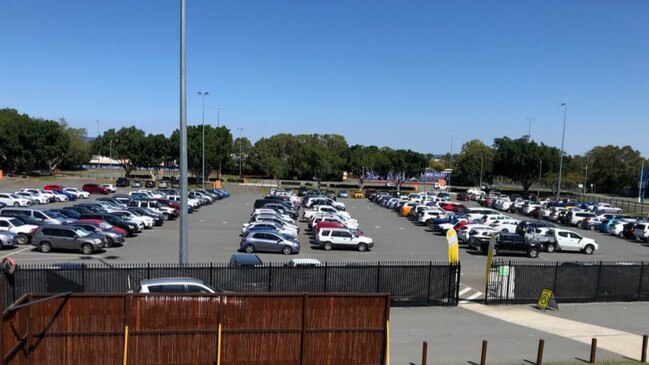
[[214, 237]]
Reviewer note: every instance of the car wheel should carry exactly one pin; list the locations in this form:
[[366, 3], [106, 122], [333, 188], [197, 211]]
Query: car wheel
[[249, 248], [362, 247], [87, 249], [579, 224], [287, 250], [166, 216], [533, 253], [111, 242], [16, 204], [588, 250], [328, 246], [45, 247], [592, 228], [22, 239], [550, 247], [505, 230]]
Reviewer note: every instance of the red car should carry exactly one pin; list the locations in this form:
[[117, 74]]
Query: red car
[[105, 226], [325, 224], [53, 187], [95, 189]]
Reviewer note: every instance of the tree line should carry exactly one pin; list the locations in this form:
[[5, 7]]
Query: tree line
[[28, 144]]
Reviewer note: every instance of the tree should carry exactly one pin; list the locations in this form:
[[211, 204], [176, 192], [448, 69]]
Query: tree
[[474, 163], [242, 151], [363, 160], [519, 159], [615, 169], [78, 152], [129, 147]]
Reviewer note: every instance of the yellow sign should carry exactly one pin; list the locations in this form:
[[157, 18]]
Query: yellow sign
[[453, 247], [544, 299], [490, 257]]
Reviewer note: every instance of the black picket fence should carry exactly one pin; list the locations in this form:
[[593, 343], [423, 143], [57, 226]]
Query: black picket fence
[[522, 282], [409, 283]]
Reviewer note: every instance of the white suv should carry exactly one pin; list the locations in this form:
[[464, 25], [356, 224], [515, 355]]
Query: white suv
[[329, 238], [14, 200], [641, 231]]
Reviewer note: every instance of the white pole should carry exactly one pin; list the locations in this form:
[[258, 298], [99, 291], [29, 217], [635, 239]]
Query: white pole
[[563, 137], [640, 184]]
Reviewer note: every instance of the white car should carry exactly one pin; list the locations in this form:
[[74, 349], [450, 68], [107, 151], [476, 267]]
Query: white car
[[147, 221], [110, 187], [505, 226], [14, 200], [24, 231], [40, 199], [52, 196], [489, 219], [349, 223], [463, 234], [78, 192], [330, 238], [530, 207], [427, 216], [285, 230]]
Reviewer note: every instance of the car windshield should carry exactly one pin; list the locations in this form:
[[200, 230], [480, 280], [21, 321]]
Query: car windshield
[[81, 232], [54, 214], [105, 225], [15, 196], [16, 222]]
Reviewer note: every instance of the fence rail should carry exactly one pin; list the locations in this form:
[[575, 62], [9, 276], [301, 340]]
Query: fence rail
[[409, 283], [628, 205], [522, 282]]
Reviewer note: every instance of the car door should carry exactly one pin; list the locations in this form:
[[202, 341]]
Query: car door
[[261, 241], [68, 239], [274, 242], [566, 242], [4, 226], [575, 240], [346, 238]]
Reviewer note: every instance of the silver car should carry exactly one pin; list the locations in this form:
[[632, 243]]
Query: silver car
[[50, 237], [8, 239], [269, 241]]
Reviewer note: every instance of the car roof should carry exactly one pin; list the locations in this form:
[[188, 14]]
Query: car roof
[[171, 280], [246, 258]]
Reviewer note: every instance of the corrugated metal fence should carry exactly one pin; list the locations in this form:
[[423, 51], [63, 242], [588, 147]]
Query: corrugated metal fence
[[409, 283], [583, 281], [197, 329]]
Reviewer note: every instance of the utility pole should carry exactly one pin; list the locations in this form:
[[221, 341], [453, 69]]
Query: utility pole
[[240, 156], [529, 128], [203, 94], [450, 164], [563, 137], [538, 191], [183, 249], [218, 124]]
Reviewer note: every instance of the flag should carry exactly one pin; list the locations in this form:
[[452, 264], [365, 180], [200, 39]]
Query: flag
[[453, 247]]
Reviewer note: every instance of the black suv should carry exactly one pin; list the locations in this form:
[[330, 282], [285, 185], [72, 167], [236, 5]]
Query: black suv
[[123, 182], [513, 243]]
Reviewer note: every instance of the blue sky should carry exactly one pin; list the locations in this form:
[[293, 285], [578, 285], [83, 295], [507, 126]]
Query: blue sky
[[404, 74]]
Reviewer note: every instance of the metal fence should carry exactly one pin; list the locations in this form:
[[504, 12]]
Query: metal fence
[[522, 282], [409, 283], [628, 205], [196, 329]]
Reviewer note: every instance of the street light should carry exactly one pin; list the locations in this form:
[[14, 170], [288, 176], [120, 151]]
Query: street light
[[110, 148], [183, 245], [563, 136], [450, 164], [481, 168], [218, 125], [529, 128], [538, 191], [203, 94], [240, 158]]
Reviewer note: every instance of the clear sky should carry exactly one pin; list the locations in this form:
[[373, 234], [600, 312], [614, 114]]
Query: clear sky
[[404, 74]]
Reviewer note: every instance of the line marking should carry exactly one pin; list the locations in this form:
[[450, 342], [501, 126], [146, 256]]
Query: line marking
[[377, 227], [465, 290], [19, 251], [401, 228], [475, 296]]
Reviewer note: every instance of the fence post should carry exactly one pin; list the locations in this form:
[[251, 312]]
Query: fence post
[[450, 286], [430, 273], [640, 281], [509, 275], [599, 277], [554, 283], [326, 269], [539, 354], [270, 277], [424, 353], [483, 356], [643, 356], [457, 283], [2, 317], [212, 274], [148, 270], [378, 276], [302, 347], [593, 351]]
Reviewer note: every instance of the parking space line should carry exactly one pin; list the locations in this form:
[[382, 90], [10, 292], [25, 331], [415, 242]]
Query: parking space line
[[465, 290], [19, 251]]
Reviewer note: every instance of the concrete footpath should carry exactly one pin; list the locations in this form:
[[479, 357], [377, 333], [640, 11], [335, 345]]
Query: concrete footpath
[[455, 334]]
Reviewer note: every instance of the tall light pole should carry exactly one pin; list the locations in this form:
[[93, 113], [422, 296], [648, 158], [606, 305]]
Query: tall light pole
[[586, 175], [218, 115], [481, 168], [218, 125], [203, 94], [183, 247], [529, 128], [563, 137], [450, 164], [110, 148], [240, 157], [538, 191]]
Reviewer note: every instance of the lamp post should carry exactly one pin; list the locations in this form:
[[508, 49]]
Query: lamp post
[[183, 247], [586, 175], [218, 125], [538, 191], [481, 169], [450, 164], [529, 128], [110, 148], [203, 94], [563, 136], [240, 157]]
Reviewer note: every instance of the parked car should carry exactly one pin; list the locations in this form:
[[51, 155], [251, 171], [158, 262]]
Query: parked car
[[23, 231], [53, 187], [565, 240], [343, 194], [641, 232], [40, 215], [55, 237], [245, 260], [8, 239], [95, 189], [112, 237], [176, 285], [149, 184], [269, 241], [136, 183], [80, 193], [513, 243], [331, 238], [14, 200], [122, 182]]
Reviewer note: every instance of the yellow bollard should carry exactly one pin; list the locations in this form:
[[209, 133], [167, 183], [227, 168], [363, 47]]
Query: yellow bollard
[[125, 345], [218, 348], [387, 342]]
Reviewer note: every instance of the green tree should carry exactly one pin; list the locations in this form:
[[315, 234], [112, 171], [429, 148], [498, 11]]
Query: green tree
[[521, 160], [362, 160], [614, 169], [242, 151], [129, 147], [474, 164]]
